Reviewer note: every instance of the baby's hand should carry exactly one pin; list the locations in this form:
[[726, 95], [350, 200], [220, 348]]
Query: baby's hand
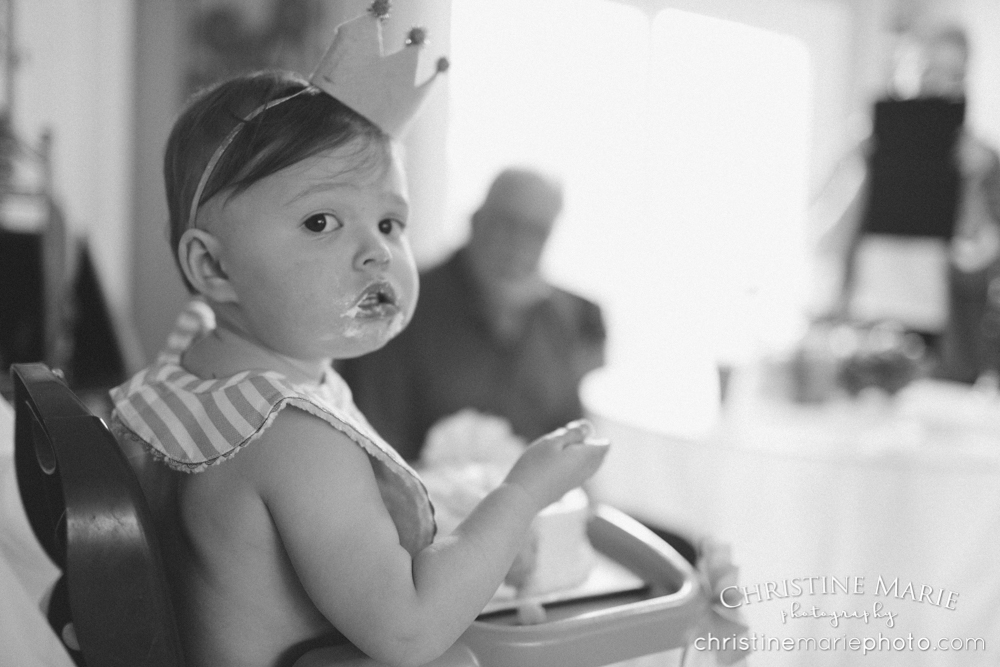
[[558, 462]]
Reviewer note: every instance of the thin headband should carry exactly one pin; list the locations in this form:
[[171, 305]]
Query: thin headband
[[221, 149]]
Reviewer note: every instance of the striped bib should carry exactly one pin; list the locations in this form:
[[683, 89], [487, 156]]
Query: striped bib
[[190, 423]]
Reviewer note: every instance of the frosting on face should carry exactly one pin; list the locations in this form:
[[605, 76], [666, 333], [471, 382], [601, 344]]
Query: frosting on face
[[317, 256]]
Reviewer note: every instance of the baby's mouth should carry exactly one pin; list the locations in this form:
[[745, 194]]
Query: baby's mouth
[[376, 301]]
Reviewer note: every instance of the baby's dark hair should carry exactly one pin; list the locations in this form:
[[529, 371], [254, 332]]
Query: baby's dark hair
[[303, 126]]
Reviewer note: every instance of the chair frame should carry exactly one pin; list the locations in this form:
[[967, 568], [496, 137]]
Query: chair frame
[[86, 508]]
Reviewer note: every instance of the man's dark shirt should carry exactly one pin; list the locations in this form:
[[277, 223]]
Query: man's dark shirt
[[451, 357]]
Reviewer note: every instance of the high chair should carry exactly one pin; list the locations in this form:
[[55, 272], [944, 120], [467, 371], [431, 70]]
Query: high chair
[[88, 513], [660, 613], [87, 509]]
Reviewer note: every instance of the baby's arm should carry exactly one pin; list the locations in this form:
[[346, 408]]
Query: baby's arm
[[321, 493], [459, 574]]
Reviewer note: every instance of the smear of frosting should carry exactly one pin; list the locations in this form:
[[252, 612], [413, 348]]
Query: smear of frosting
[[356, 328], [353, 311]]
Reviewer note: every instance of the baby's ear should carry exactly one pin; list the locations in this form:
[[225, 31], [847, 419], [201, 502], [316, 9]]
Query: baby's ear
[[199, 255]]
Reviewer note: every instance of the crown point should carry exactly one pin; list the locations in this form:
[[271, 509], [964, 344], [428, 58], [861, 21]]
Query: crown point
[[381, 88], [443, 64], [416, 37], [380, 9]]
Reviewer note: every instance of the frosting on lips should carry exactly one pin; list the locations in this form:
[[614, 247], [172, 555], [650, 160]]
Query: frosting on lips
[[378, 300]]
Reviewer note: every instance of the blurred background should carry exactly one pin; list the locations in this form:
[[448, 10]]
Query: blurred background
[[691, 136]]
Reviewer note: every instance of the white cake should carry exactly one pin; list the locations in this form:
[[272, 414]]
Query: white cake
[[467, 456], [562, 557]]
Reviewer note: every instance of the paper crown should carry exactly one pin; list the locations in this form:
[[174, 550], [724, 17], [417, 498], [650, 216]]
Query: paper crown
[[381, 88], [354, 71]]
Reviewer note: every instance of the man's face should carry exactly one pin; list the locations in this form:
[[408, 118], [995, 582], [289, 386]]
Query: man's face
[[931, 69], [510, 231], [943, 74]]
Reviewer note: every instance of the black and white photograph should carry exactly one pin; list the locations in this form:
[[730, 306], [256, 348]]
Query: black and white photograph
[[499, 333]]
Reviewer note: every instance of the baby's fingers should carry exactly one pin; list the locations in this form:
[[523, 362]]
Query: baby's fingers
[[581, 432], [590, 449], [572, 433], [597, 443], [588, 455]]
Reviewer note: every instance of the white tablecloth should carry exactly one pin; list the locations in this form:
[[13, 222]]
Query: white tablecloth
[[905, 491], [26, 573]]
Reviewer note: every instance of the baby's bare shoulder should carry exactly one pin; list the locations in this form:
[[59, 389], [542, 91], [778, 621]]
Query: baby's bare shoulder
[[299, 469], [298, 458], [302, 446]]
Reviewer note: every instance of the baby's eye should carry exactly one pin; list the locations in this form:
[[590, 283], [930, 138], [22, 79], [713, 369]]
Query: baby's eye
[[389, 225], [321, 222]]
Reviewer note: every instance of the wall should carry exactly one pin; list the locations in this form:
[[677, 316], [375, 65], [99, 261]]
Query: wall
[[74, 79], [157, 291]]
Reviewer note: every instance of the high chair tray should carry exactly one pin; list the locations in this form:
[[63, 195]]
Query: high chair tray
[[607, 578], [651, 608]]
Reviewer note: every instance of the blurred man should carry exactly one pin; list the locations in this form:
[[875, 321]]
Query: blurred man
[[489, 332], [951, 296]]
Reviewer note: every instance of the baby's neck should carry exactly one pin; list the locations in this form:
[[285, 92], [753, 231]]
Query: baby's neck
[[224, 352]]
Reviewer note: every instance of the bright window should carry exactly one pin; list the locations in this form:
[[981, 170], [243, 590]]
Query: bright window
[[682, 140]]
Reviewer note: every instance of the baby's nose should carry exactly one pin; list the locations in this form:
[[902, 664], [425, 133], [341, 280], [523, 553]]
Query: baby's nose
[[374, 253]]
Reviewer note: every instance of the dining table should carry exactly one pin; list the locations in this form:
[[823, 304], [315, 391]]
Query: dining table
[[865, 526]]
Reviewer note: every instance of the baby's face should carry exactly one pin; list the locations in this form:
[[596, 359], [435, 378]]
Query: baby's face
[[318, 256]]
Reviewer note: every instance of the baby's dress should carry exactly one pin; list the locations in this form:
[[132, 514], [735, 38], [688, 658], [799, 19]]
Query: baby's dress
[[190, 423]]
